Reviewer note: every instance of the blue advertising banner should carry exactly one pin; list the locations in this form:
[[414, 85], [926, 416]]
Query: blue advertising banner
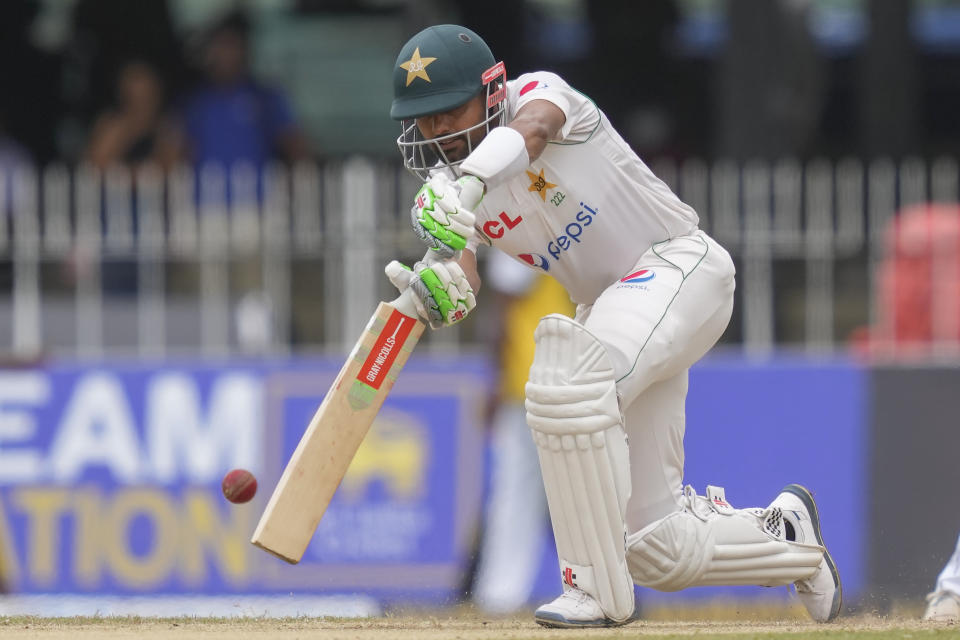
[[110, 479], [110, 475]]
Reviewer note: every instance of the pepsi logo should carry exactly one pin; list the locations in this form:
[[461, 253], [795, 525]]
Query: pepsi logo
[[643, 275], [535, 260]]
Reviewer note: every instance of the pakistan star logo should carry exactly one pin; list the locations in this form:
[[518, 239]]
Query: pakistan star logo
[[539, 184], [416, 67]]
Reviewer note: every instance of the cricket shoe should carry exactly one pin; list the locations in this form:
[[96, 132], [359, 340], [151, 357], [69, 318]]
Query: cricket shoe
[[576, 608], [943, 606], [821, 593]]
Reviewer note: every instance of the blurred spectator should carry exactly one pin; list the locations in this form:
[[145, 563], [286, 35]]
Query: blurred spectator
[[918, 285], [229, 123], [232, 117], [131, 132], [516, 511], [107, 33]]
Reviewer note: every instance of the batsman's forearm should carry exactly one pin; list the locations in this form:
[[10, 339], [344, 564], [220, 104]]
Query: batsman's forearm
[[538, 122], [468, 262]]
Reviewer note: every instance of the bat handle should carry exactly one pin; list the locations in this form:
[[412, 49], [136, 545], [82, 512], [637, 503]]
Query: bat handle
[[404, 304]]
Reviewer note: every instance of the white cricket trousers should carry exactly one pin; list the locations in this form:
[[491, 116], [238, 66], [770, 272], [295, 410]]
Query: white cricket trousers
[[655, 323]]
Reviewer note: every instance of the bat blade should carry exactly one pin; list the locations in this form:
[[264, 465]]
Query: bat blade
[[335, 432]]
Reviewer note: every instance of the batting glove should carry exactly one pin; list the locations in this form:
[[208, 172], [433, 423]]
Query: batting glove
[[442, 213], [442, 294]]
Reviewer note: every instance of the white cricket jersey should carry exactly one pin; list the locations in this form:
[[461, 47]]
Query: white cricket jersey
[[587, 208]]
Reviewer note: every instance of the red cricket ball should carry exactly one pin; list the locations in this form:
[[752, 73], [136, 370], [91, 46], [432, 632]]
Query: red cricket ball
[[239, 486]]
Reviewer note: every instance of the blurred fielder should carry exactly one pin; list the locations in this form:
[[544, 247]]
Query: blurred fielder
[[564, 194], [943, 605], [516, 510]]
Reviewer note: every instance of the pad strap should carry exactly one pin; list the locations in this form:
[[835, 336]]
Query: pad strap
[[501, 155]]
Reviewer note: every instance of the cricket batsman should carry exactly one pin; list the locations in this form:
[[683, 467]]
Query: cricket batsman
[[561, 192]]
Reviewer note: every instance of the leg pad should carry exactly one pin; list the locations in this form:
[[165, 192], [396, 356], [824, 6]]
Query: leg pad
[[573, 411]]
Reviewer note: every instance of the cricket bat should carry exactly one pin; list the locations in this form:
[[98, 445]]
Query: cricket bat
[[338, 427]]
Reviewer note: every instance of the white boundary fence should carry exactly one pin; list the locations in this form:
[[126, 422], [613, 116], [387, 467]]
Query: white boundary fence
[[113, 263]]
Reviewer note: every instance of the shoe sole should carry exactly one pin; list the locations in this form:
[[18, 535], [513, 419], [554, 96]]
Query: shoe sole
[[807, 499], [556, 621]]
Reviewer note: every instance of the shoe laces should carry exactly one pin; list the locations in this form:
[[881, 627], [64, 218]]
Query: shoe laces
[[771, 518], [575, 594], [696, 505]]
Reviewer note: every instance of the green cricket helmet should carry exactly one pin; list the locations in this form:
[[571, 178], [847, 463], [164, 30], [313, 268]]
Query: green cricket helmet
[[439, 69]]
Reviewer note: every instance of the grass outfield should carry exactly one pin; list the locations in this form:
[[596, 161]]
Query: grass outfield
[[461, 627]]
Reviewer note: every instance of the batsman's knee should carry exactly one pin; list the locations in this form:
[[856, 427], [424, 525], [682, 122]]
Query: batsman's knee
[[709, 543]]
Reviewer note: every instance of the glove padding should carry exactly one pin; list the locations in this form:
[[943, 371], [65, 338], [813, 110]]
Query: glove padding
[[440, 290], [442, 213]]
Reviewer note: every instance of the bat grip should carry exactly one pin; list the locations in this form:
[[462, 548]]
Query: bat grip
[[404, 304]]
